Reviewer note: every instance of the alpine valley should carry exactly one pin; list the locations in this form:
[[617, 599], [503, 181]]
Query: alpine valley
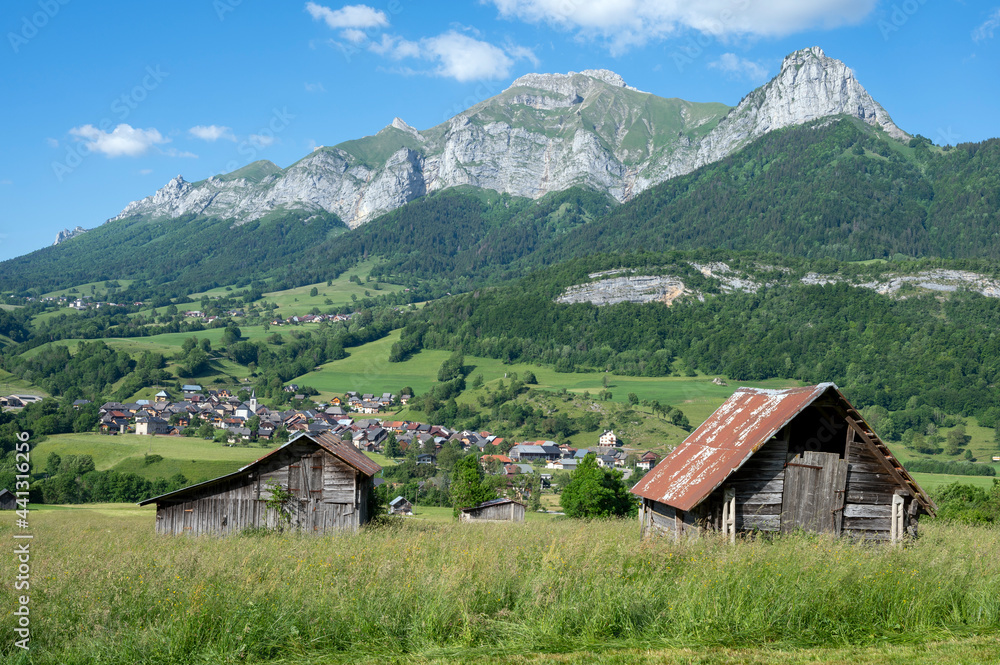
[[573, 225]]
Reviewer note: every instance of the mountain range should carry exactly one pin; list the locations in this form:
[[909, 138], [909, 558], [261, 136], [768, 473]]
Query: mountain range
[[556, 167], [545, 133]]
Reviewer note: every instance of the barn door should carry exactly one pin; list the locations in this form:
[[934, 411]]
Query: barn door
[[814, 493]]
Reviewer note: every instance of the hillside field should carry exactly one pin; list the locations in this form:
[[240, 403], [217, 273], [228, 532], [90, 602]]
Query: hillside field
[[367, 369], [106, 589], [196, 458]]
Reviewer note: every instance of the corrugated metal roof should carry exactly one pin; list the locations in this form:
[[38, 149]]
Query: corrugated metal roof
[[720, 446], [347, 452]]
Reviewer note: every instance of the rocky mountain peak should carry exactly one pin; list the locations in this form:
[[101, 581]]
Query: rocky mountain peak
[[512, 143], [400, 124], [66, 234], [572, 83], [800, 57]]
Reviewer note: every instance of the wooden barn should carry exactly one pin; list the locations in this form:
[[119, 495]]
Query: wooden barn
[[329, 480], [8, 500], [494, 510], [779, 461], [400, 506]]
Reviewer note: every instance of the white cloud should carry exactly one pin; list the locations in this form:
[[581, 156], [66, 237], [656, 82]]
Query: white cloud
[[454, 55], [521, 53], [261, 140], [354, 35], [350, 16], [395, 47], [740, 67], [466, 59], [145, 171], [53, 143], [315, 87], [212, 132], [626, 23], [986, 30], [122, 140], [174, 152]]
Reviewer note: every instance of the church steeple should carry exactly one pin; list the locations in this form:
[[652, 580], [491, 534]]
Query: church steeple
[[253, 401]]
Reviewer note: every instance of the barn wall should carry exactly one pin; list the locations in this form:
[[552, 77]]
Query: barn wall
[[327, 496], [8, 501], [507, 512], [868, 509], [759, 486]]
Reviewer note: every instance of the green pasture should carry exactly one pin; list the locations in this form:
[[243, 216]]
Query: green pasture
[[13, 385], [105, 588], [196, 458], [341, 291], [367, 369]]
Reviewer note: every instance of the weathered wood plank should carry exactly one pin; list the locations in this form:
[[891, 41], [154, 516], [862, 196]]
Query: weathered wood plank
[[758, 522], [863, 510], [758, 498], [869, 496]]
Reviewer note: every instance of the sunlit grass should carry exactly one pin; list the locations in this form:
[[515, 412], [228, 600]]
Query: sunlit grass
[[106, 589]]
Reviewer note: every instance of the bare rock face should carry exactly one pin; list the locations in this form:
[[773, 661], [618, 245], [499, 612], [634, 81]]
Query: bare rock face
[[66, 234], [545, 133], [810, 86]]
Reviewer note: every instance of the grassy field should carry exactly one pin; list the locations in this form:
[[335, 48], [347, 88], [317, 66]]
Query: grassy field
[[442, 515], [367, 369], [99, 291], [298, 301], [196, 458], [932, 481], [105, 588], [11, 385]]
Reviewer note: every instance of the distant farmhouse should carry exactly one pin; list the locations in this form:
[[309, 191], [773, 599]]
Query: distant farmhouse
[[330, 483], [780, 461]]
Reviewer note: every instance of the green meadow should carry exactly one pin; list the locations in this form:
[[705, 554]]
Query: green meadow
[[196, 458], [10, 384], [367, 369], [106, 589], [341, 291]]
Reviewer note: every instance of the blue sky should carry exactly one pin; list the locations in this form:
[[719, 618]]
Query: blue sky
[[103, 103]]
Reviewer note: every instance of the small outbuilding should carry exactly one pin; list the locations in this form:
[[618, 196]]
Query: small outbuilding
[[495, 510], [8, 500], [327, 483], [780, 461], [400, 506]]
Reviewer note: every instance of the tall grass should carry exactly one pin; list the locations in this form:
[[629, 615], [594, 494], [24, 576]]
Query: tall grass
[[106, 589]]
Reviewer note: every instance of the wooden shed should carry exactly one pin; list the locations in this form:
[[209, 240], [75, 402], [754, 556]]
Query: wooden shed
[[495, 510], [780, 461], [330, 482], [400, 506], [8, 500]]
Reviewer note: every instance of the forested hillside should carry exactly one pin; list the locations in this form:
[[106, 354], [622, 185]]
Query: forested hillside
[[899, 353], [837, 189], [172, 257]]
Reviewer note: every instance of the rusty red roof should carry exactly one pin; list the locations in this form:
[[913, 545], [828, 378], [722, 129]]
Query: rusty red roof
[[330, 442], [720, 446], [347, 452]]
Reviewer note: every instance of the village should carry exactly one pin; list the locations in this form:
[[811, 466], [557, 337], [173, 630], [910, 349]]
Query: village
[[233, 417]]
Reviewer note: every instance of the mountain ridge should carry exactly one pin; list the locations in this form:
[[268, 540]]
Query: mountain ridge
[[544, 133]]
